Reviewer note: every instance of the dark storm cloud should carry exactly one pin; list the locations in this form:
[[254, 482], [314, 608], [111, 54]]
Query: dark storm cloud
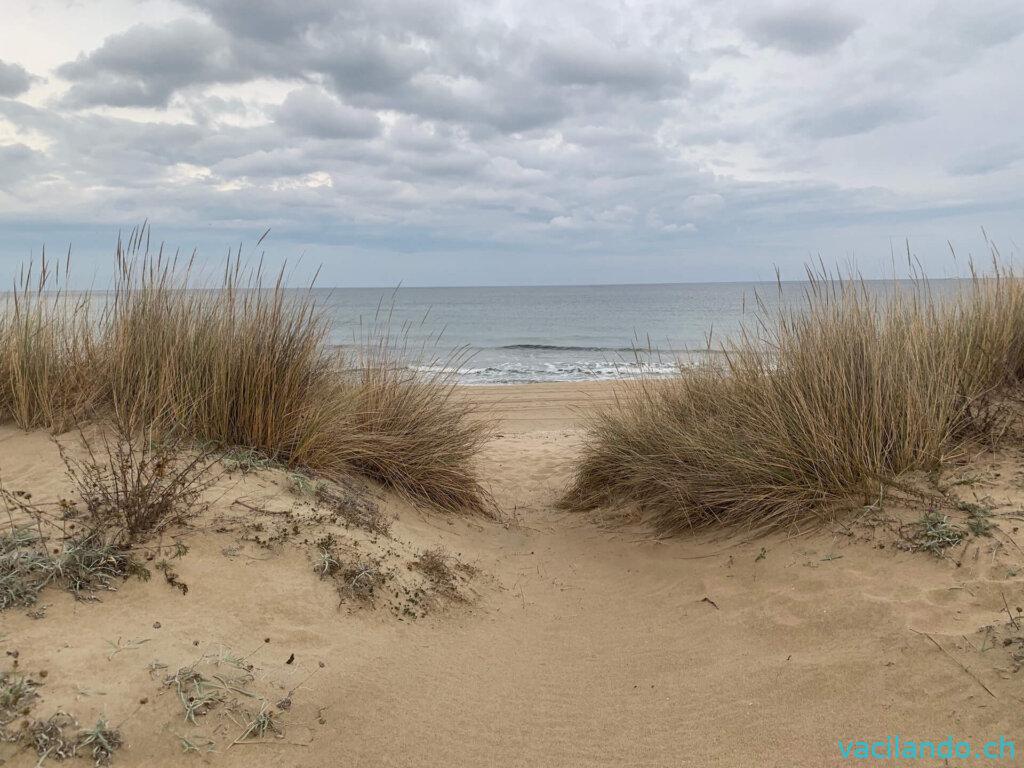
[[14, 79], [802, 29]]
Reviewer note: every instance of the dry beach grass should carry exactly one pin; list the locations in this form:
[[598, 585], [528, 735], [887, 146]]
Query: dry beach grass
[[241, 363], [813, 407]]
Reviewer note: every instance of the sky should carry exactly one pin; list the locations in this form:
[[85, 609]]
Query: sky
[[489, 142]]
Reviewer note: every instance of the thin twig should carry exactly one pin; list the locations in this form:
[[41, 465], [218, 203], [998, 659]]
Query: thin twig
[[1013, 620], [954, 658]]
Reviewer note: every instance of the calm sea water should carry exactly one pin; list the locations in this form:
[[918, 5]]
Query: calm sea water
[[557, 333]]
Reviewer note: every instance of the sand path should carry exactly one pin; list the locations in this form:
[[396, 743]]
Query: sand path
[[588, 648]]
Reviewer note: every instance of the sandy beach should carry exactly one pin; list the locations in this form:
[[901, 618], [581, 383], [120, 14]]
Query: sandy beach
[[485, 384], [570, 645]]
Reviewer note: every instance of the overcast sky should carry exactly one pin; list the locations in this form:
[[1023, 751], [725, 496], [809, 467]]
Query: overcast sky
[[443, 142]]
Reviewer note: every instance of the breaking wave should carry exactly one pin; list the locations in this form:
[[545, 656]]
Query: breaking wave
[[518, 372]]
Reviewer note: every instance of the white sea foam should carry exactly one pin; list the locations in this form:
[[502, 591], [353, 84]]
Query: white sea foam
[[516, 372]]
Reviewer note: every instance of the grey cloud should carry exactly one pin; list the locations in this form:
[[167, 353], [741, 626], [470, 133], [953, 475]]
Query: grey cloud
[[461, 165], [207, 109], [978, 25], [382, 55], [267, 20], [510, 106], [624, 70], [803, 29], [145, 65], [14, 157], [270, 163], [278, 21], [14, 79], [312, 112], [479, 126], [987, 160], [371, 65], [855, 118], [106, 150], [407, 133]]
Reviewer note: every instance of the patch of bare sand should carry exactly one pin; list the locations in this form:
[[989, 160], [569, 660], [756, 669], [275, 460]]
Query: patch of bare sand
[[576, 646]]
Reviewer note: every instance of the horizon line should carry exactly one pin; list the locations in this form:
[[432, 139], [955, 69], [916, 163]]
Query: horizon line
[[401, 286]]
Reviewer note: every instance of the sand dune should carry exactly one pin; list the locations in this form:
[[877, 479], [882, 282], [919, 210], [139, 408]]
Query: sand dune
[[572, 645]]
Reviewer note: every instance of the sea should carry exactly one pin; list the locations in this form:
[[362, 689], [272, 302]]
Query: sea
[[512, 335]]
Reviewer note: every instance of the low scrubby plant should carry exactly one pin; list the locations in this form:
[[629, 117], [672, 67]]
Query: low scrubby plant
[[979, 518], [52, 738], [934, 533], [100, 742], [134, 486], [17, 694], [353, 508], [56, 738], [358, 575], [130, 490], [82, 564], [442, 570], [812, 409]]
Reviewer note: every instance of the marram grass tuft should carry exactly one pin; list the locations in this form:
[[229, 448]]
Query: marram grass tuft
[[237, 363], [811, 410]]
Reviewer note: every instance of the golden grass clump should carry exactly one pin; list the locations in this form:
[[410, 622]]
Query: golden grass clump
[[414, 432], [810, 409], [238, 364], [47, 352]]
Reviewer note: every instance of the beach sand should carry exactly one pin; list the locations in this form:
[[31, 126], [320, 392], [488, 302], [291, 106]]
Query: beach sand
[[574, 645]]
